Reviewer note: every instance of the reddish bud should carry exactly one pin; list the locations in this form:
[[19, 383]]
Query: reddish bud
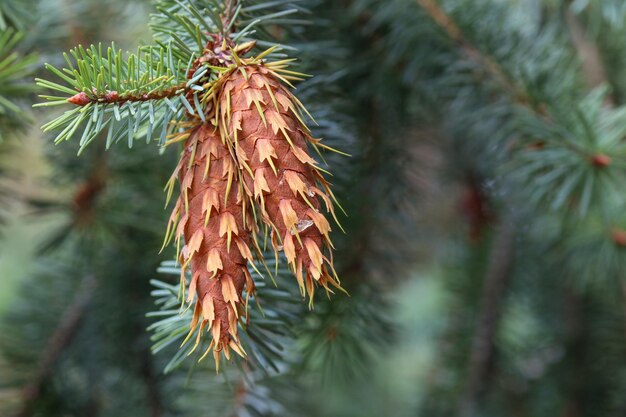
[[474, 206], [600, 160], [619, 237], [80, 99], [111, 96], [543, 109], [536, 146], [332, 333]]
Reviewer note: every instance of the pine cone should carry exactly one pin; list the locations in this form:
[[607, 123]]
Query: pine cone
[[210, 214], [261, 119]]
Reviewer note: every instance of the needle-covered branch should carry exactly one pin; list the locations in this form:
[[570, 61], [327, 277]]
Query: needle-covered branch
[[14, 68], [128, 96], [560, 149], [181, 91]]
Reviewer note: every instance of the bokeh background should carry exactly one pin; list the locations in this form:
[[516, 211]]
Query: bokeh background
[[485, 243]]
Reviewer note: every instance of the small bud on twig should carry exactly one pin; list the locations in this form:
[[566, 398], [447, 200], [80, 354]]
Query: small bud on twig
[[600, 160], [619, 237], [80, 99]]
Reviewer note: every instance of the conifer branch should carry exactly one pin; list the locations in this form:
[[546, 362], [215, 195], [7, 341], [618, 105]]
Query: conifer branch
[[58, 342], [150, 380], [14, 68], [14, 14], [576, 351], [623, 290], [445, 21], [264, 334], [495, 285], [114, 97], [595, 74], [579, 138], [130, 96], [126, 95], [229, 15], [589, 54]]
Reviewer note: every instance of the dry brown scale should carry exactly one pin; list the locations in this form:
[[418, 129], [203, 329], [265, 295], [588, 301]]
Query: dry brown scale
[[210, 215], [261, 119]]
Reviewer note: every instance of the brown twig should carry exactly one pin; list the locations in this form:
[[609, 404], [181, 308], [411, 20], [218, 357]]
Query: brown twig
[[58, 342], [482, 353], [111, 97], [589, 54], [153, 393], [520, 95], [575, 348], [443, 20], [229, 14], [623, 289]]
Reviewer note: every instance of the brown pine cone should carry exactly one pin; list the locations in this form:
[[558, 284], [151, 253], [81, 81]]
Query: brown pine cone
[[262, 121], [210, 215]]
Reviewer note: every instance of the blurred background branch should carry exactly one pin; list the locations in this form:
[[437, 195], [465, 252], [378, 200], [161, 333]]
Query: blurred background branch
[[484, 250]]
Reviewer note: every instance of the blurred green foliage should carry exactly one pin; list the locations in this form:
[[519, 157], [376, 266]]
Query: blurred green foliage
[[485, 244]]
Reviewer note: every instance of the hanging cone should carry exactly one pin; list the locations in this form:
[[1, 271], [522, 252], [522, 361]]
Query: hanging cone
[[210, 214], [261, 120]]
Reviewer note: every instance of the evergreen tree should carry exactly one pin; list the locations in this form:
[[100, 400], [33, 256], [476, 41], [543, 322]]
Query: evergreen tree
[[485, 172]]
